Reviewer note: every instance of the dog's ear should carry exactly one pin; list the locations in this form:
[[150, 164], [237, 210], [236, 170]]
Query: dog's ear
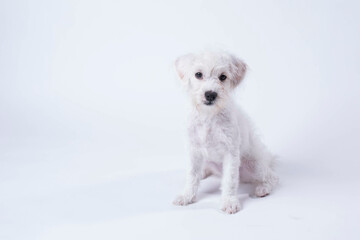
[[182, 65], [238, 69]]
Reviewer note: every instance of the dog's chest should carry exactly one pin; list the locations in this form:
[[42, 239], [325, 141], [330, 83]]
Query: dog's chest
[[210, 136], [206, 134]]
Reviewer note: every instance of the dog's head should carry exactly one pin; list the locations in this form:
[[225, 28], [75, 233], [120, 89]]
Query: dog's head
[[209, 77]]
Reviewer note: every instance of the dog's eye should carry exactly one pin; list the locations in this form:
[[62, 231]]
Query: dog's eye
[[198, 75], [222, 77]]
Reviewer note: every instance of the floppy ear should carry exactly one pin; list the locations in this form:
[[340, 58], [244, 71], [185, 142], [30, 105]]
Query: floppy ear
[[182, 65], [238, 68]]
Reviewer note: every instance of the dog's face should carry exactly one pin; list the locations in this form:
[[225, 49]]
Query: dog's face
[[209, 77]]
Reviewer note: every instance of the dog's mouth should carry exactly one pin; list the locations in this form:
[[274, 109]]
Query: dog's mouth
[[209, 103]]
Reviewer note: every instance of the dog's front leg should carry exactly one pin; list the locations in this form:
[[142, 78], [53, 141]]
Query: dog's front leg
[[230, 183], [193, 177]]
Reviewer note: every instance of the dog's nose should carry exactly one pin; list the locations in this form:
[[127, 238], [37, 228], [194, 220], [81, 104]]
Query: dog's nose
[[210, 96]]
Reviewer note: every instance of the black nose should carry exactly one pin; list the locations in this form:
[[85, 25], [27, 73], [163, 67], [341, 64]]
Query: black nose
[[210, 95]]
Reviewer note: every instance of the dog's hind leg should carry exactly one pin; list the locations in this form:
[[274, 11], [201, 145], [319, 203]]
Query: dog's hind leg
[[262, 163]]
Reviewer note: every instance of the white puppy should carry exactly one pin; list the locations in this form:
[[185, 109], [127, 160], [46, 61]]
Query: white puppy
[[222, 139]]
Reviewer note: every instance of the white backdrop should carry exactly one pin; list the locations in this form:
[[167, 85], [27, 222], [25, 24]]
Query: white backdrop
[[88, 96]]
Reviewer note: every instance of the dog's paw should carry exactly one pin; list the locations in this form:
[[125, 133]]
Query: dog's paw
[[262, 190], [183, 200], [231, 205]]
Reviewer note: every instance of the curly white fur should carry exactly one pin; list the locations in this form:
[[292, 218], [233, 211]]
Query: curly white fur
[[222, 139]]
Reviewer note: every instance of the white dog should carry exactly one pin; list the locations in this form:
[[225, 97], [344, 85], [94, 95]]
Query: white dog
[[222, 138]]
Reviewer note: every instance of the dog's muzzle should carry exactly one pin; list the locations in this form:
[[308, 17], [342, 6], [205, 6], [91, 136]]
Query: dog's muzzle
[[210, 97]]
